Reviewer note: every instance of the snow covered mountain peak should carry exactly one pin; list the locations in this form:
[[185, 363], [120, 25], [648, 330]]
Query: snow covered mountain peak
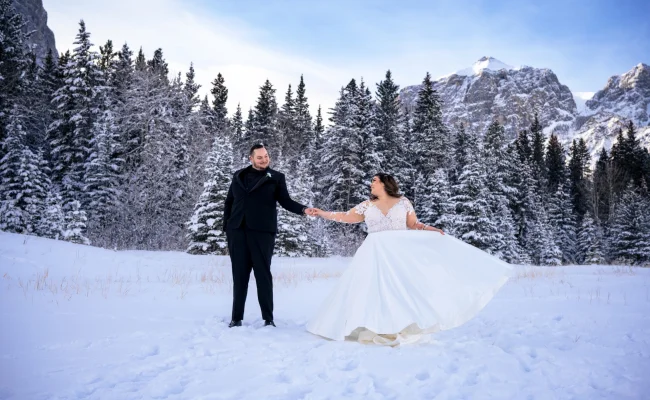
[[626, 95], [484, 63]]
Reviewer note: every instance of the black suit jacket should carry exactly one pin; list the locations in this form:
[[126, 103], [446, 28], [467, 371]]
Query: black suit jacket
[[258, 205]]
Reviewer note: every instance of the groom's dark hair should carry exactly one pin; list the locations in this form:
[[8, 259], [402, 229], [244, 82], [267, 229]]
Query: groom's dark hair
[[390, 185], [255, 147]]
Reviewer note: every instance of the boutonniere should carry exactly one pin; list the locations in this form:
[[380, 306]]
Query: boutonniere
[[268, 174]]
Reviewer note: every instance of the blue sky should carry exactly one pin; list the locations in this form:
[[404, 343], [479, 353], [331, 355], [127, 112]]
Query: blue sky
[[330, 42]]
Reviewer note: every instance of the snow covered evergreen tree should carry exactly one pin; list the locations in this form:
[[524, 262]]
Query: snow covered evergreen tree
[[71, 132], [540, 172], [555, 164], [369, 142], [387, 121], [563, 223], [264, 127], [14, 62], [53, 224], [104, 165], [287, 142], [23, 180], [239, 139], [295, 237], [205, 227], [341, 165], [473, 221], [603, 188], [590, 242], [459, 151], [579, 173], [75, 224], [220, 93], [630, 228], [437, 205], [498, 165], [303, 121]]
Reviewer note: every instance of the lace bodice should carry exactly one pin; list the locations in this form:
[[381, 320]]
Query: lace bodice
[[395, 218]]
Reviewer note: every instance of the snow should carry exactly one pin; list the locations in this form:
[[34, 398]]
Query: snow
[[83, 322], [581, 99], [485, 63]]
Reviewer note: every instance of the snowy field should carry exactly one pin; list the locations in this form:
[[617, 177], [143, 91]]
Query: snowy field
[[85, 323]]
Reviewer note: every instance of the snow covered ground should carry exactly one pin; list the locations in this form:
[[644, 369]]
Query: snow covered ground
[[85, 323]]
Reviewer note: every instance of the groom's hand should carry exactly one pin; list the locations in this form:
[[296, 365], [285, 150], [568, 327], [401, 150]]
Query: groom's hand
[[311, 211]]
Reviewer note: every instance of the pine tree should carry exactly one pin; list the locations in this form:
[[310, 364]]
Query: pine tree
[[630, 228], [102, 170], [460, 152], [317, 155], [538, 164], [123, 74], [578, 175], [563, 223], [533, 230], [523, 146], [339, 185], [140, 61], [589, 240], [75, 224], [474, 222], [205, 227], [265, 117], [239, 140], [369, 142], [635, 160], [603, 187], [23, 178], [438, 207], [71, 132], [497, 166], [287, 142], [52, 225], [627, 158], [387, 127], [220, 93], [158, 66], [191, 89], [104, 163], [303, 122], [555, 164], [295, 237], [544, 244], [430, 138], [14, 62]]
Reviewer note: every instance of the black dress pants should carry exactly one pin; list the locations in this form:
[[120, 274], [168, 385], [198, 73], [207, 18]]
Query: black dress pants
[[251, 250]]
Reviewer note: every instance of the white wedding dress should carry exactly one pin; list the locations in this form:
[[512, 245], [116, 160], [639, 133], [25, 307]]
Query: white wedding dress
[[402, 284]]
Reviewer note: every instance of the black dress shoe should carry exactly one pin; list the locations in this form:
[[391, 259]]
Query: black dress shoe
[[267, 323], [234, 323]]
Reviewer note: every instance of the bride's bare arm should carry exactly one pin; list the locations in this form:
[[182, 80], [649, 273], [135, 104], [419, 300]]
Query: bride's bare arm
[[350, 217], [413, 223]]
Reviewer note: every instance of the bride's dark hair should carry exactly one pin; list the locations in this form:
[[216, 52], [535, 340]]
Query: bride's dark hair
[[390, 185]]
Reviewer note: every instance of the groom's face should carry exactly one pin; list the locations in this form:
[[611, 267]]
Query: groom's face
[[260, 159]]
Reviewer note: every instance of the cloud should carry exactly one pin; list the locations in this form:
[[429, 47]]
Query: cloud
[[187, 35], [332, 42]]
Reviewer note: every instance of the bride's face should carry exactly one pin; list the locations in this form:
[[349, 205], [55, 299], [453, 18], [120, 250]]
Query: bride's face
[[376, 186]]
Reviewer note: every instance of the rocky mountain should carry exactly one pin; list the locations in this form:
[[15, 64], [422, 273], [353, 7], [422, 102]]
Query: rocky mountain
[[35, 17], [624, 98], [492, 89]]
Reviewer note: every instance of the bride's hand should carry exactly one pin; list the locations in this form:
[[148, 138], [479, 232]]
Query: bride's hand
[[439, 231]]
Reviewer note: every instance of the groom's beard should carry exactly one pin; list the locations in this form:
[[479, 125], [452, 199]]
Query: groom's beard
[[260, 166]]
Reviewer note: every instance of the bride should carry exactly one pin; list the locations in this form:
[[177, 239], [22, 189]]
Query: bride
[[407, 279]]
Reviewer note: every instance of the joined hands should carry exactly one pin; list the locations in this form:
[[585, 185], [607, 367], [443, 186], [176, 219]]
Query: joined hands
[[314, 212]]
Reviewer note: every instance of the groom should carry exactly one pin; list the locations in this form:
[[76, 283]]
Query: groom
[[250, 223]]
